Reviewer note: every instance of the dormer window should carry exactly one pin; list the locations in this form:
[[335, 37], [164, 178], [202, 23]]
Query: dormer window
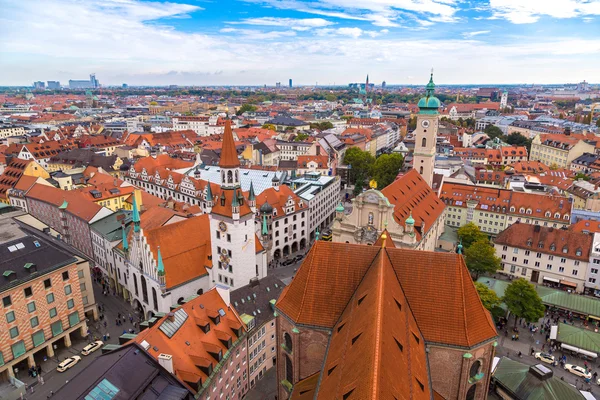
[[578, 252], [541, 245], [529, 242], [552, 247], [565, 249]]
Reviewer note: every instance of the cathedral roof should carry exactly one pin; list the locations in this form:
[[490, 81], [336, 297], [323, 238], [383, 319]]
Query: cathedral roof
[[229, 158], [429, 104], [437, 288]]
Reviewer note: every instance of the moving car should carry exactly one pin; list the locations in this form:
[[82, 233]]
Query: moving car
[[90, 348], [579, 371], [68, 363], [545, 357]]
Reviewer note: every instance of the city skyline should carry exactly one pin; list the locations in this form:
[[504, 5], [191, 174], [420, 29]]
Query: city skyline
[[256, 42]]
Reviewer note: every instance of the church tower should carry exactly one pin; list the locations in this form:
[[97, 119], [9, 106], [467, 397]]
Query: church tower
[[503, 100], [426, 133], [232, 223]]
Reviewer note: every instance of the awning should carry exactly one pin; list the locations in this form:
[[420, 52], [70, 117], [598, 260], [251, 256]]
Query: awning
[[553, 332], [593, 317], [567, 283], [552, 280], [580, 351], [495, 364]]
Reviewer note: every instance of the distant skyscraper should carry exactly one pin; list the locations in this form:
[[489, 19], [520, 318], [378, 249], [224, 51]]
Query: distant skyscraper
[[53, 85], [290, 83], [278, 85], [39, 85], [125, 86], [383, 85], [91, 84]]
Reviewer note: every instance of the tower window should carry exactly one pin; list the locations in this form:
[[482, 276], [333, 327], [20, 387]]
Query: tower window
[[424, 142]]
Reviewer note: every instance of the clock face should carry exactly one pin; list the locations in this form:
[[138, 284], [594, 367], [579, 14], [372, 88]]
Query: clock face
[[425, 123], [222, 226]]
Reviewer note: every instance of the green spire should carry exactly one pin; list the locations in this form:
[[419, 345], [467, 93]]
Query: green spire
[[136, 216], [125, 244], [460, 247], [251, 196], [410, 220], [430, 88], [265, 230], [340, 208], [209, 196], [161, 266], [234, 200]]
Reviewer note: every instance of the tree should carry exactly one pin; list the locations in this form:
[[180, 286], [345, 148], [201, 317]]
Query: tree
[[481, 258], [361, 163], [246, 108], [301, 137], [386, 169], [493, 131], [270, 127], [322, 126], [488, 297], [581, 175], [523, 301], [331, 97], [469, 234], [412, 123], [519, 140]]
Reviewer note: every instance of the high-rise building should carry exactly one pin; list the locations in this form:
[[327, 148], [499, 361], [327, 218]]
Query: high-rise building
[[277, 85], [383, 84], [80, 84], [39, 85], [53, 85], [290, 83], [504, 100], [426, 133]]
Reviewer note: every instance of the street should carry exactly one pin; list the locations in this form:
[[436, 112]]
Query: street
[[527, 341], [54, 380]]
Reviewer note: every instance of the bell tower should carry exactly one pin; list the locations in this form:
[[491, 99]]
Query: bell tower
[[426, 133]]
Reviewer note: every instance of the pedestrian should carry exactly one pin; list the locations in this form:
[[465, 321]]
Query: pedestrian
[[108, 335], [42, 380], [105, 324], [130, 319], [50, 394], [39, 369], [117, 321], [31, 388]]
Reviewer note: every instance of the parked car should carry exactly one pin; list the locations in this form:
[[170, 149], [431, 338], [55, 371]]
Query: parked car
[[90, 348], [579, 371], [545, 357], [285, 263], [298, 258], [68, 363]]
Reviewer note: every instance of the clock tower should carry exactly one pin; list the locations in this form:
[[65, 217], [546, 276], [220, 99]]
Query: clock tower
[[426, 133]]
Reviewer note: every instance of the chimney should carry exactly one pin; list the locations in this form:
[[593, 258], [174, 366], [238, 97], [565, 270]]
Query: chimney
[[224, 293], [254, 282], [171, 317], [166, 361]]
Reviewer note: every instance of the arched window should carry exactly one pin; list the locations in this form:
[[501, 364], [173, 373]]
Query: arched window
[[154, 299], [578, 252], [475, 369], [471, 393], [289, 370], [552, 247], [287, 342], [237, 177], [144, 290], [371, 218], [199, 292], [135, 285], [180, 300], [566, 217], [424, 142], [565, 249], [421, 170], [229, 177]]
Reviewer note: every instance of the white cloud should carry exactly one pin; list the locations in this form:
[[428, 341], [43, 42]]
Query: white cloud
[[299, 24], [468, 35], [128, 41], [530, 11]]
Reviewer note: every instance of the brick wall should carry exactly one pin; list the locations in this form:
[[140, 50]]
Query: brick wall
[[42, 309]]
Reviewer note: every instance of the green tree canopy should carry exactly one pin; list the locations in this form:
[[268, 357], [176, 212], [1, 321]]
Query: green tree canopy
[[488, 297], [517, 139], [330, 97], [523, 301], [301, 137], [469, 234], [412, 123], [322, 126], [598, 122], [361, 163], [581, 175], [246, 108], [481, 258], [493, 131], [386, 169], [270, 127]]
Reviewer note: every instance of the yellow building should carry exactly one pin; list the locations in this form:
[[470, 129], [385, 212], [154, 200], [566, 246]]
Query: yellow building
[[559, 150], [14, 170]]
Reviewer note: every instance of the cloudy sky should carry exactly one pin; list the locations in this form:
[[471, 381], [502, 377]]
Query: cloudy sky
[[255, 42]]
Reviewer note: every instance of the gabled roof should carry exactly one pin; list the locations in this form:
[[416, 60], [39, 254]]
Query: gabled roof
[[410, 193], [185, 248], [377, 331], [332, 272], [77, 203]]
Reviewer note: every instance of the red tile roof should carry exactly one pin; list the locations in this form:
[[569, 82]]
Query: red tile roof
[[77, 203], [11, 175], [558, 242], [229, 158], [410, 193], [438, 289], [585, 225]]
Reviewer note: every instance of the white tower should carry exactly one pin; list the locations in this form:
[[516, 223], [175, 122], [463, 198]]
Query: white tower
[[504, 100], [232, 224], [426, 133]]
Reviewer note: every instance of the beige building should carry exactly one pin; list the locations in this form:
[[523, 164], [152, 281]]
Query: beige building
[[392, 208], [559, 150], [550, 256], [7, 131], [255, 304]]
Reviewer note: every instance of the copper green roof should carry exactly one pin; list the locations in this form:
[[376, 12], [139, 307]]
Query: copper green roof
[[136, 216], [581, 338], [340, 208], [429, 104], [64, 205], [161, 267], [265, 230], [515, 377]]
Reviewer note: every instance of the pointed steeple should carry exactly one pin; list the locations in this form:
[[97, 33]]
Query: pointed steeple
[[229, 157], [160, 265], [125, 243], [136, 216], [209, 196], [234, 200], [265, 230], [251, 196]]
